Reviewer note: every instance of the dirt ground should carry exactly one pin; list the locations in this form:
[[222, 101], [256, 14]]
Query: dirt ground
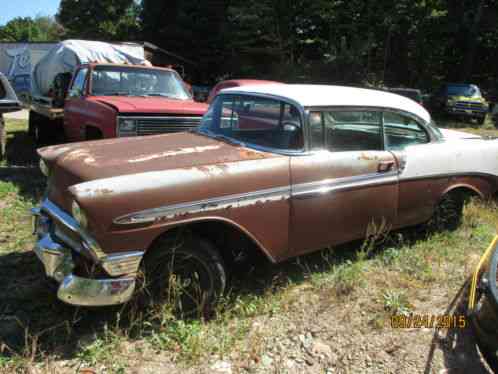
[[324, 313]]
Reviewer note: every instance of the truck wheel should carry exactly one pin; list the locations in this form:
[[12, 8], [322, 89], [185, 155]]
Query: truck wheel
[[481, 120], [92, 133], [187, 272], [37, 128]]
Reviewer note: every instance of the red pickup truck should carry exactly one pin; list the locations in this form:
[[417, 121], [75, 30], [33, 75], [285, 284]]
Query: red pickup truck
[[106, 100]]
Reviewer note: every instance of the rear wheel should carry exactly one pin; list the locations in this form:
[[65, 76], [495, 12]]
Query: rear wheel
[[481, 120], [448, 213], [187, 272]]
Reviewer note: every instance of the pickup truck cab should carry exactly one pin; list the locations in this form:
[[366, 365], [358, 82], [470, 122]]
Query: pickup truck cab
[[112, 100]]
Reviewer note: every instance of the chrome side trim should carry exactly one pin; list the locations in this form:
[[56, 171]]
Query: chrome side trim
[[122, 263], [223, 202], [303, 190], [315, 189]]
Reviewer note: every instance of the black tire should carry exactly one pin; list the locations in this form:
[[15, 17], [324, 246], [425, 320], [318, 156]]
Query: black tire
[[481, 120], [448, 213], [92, 133], [38, 128], [185, 271]]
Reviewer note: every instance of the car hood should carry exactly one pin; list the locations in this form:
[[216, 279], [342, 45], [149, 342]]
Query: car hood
[[74, 163], [153, 105], [453, 135]]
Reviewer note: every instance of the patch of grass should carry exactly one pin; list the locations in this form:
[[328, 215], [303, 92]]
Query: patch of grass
[[396, 302]]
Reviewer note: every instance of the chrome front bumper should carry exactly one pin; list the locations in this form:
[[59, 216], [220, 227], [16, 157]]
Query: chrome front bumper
[[55, 253]]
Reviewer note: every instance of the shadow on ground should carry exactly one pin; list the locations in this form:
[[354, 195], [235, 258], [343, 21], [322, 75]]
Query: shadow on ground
[[33, 320], [458, 346]]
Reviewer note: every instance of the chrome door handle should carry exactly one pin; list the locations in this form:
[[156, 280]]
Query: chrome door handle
[[385, 166]]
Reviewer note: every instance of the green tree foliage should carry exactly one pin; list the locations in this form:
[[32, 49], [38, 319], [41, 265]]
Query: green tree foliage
[[417, 43], [24, 29], [99, 19]]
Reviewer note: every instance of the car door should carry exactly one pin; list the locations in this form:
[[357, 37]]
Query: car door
[[348, 183], [406, 138], [75, 106]]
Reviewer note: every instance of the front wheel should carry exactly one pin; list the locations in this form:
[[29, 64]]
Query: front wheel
[[185, 271], [481, 120]]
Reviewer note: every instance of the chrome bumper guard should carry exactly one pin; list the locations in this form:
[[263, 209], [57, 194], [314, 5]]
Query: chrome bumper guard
[[58, 262]]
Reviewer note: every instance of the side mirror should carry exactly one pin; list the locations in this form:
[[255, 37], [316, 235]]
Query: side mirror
[[290, 126], [8, 99]]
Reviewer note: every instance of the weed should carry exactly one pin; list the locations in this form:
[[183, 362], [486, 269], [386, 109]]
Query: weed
[[396, 302]]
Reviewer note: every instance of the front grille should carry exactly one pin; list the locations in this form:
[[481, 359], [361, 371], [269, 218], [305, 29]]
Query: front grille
[[469, 105], [162, 125]]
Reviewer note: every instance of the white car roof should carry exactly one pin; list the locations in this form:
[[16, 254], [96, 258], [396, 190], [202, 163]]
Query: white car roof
[[309, 95]]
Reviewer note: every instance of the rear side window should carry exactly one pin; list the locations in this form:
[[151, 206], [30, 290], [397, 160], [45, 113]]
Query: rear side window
[[341, 131], [402, 131]]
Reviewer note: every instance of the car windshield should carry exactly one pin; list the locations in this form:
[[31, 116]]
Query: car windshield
[[133, 81], [253, 120], [435, 129], [469, 90]]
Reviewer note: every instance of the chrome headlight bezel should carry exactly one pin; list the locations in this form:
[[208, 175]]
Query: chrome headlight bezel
[[44, 167], [127, 126], [79, 215]]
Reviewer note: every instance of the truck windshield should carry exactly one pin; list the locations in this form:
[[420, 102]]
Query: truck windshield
[[133, 81], [467, 90]]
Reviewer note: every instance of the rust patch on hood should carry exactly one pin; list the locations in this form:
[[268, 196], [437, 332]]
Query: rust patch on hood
[[176, 152]]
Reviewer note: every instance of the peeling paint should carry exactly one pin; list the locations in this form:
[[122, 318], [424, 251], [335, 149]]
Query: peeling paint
[[180, 151], [367, 156]]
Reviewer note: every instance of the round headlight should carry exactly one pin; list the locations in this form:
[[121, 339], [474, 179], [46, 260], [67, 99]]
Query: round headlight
[[79, 215], [43, 167], [127, 125]]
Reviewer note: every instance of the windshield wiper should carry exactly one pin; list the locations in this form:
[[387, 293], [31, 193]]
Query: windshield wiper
[[117, 93], [160, 94]]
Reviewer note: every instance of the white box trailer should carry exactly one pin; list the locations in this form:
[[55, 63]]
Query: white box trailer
[[46, 100], [8, 103]]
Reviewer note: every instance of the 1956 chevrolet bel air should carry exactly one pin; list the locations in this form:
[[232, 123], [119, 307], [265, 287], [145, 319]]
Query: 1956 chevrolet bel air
[[280, 169]]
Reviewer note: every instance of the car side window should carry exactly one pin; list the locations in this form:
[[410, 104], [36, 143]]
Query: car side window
[[348, 130], [78, 86], [402, 131]]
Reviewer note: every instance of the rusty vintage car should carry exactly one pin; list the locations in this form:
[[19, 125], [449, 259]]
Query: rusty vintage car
[[280, 169]]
